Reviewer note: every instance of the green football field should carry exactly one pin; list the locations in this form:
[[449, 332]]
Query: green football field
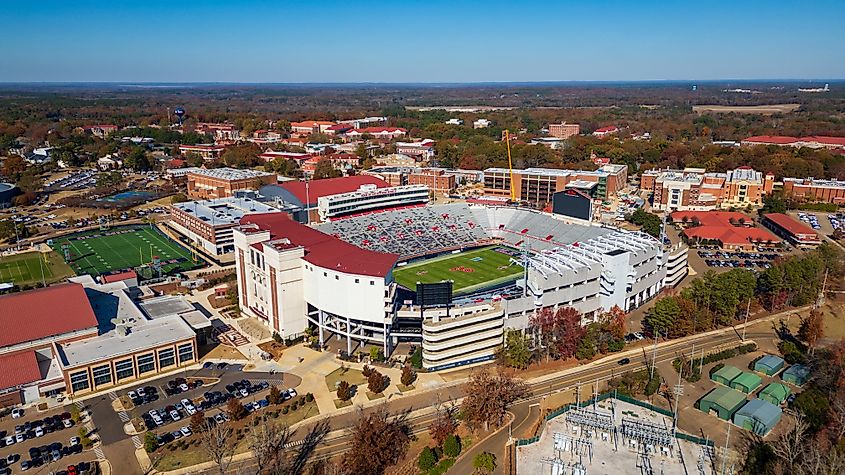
[[471, 270], [100, 252], [27, 268]]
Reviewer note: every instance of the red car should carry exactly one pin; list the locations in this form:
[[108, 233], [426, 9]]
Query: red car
[[71, 470]]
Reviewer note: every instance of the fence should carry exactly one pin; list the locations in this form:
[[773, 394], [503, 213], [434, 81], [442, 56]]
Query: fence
[[621, 397]]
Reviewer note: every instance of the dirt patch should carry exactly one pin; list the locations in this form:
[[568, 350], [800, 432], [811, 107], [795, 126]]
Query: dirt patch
[[218, 302], [274, 348], [224, 352], [764, 110]]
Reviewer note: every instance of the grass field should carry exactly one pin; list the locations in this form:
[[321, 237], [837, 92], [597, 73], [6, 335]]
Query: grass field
[[99, 252], [26, 268], [470, 270]]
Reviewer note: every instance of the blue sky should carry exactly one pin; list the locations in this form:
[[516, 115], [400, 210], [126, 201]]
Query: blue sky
[[425, 41]]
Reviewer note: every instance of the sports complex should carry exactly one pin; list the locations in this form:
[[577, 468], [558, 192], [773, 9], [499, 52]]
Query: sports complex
[[355, 279], [30, 268], [141, 247]]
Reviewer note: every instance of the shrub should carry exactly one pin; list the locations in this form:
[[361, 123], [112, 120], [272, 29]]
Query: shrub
[[485, 462], [408, 376], [452, 446], [277, 338], [309, 397], [344, 391], [427, 459], [653, 384], [367, 371], [150, 442], [285, 410], [376, 354], [376, 383]]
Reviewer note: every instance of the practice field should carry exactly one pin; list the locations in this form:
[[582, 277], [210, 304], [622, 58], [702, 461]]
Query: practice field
[[471, 270], [100, 252], [26, 268]]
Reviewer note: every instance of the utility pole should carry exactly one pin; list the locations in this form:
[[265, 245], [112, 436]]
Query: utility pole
[[725, 453], [654, 352], [747, 310]]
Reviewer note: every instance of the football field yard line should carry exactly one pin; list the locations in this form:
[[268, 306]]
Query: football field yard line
[[484, 264]]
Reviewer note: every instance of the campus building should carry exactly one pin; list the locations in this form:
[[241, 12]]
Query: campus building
[[537, 186], [220, 132], [729, 229], [436, 180], [694, 189], [205, 151], [337, 277], [813, 141], [208, 224], [564, 130], [797, 233], [811, 189], [213, 183], [80, 337]]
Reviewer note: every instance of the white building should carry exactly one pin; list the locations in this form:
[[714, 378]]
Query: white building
[[370, 197], [455, 122], [481, 124]]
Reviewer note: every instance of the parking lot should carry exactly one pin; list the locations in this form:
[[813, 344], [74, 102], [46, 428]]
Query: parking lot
[[714, 256], [38, 441]]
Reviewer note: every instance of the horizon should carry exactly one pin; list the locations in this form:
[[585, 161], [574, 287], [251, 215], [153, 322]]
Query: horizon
[[437, 42]]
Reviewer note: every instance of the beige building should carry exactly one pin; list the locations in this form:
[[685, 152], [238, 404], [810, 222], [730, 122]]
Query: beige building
[[564, 130]]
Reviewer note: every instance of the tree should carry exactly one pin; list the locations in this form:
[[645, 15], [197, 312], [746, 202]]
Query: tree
[[452, 446], [216, 441], [150, 442], [427, 459], [178, 198], [663, 314], [236, 410], [11, 231], [649, 223], [559, 331], [378, 442], [814, 406], [377, 382], [13, 167], [812, 329], [344, 391], [198, 421], [485, 462], [325, 169], [137, 159], [516, 352], [489, 396], [442, 427], [275, 396], [408, 376], [267, 441], [376, 354]]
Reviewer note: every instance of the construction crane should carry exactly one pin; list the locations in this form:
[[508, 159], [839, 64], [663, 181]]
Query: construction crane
[[510, 163]]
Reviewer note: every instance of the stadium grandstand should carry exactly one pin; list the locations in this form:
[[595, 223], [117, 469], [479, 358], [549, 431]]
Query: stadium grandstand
[[360, 277]]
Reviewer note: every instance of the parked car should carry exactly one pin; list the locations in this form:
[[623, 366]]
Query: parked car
[[17, 413]]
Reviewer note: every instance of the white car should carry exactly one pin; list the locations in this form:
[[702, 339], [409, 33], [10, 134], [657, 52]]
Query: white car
[[20, 437], [191, 410], [292, 392], [39, 432], [16, 413], [184, 387], [186, 431], [158, 420], [67, 423], [244, 393], [9, 440], [175, 415], [132, 395], [74, 441], [140, 392]]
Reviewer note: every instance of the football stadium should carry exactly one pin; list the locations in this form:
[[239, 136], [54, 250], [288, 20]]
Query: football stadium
[[142, 248], [30, 268], [452, 277]]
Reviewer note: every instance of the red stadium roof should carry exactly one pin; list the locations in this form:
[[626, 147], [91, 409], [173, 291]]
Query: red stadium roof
[[790, 225], [330, 186], [42, 313], [120, 276], [775, 139], [18, 368], [324, 250]]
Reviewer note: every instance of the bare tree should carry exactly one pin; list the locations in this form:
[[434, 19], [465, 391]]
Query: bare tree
[[216, 441], [378, 442], [267, 441], [790, 447]]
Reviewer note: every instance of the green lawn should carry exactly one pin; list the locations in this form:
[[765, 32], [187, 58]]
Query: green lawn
[[100, 252], [470, 270], [26, 268]]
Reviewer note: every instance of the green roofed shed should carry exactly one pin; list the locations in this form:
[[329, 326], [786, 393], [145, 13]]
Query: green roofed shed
[[758, 416], [725, 375], [796, 374], [723, 401], [769, 365], [746, 382], [774, 393]]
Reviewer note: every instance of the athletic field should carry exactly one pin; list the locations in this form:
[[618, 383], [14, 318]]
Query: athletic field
[[101, 252], [26, 268], [471, 271]]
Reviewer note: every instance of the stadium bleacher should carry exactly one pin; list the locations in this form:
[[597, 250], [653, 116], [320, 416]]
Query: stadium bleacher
[[413, 232]]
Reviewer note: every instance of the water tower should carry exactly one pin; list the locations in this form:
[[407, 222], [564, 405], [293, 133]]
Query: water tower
[[180, 114]]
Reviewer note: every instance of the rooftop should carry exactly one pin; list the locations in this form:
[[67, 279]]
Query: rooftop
[[321, 249], [229, 173], [308, 192], [726, 398], [224, 211], [43, 313], [763, 411], [789, 224], [18, 369]]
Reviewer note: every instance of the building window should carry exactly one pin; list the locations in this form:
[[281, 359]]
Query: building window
[[79, 381], [337, 277], [357, 281], [186, 352], [166, 358], [102, 374], [146, 363], [372, 282], [124, 369]]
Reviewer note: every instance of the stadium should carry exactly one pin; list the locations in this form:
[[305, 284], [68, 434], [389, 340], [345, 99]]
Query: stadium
[[480, 269]]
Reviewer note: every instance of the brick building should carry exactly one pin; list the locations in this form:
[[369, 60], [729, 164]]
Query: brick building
[[564, 130], [537, 185], [223, 182]]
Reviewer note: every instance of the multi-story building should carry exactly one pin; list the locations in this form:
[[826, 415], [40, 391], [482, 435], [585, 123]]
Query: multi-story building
[[100, 130], [209, 223], [537, 185], [310, 127], [422, 150], [101, 340], [606, 131], [812, 141], [481, 124], [220, 132], [694, 189], [304, 195], [381, 133], [811, 189], [370, 198], [206, 151], [797, 233], [564, 130], [437, 180], [207, 184]]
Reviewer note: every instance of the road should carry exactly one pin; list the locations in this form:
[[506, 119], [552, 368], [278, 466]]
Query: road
[[526, 412]]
